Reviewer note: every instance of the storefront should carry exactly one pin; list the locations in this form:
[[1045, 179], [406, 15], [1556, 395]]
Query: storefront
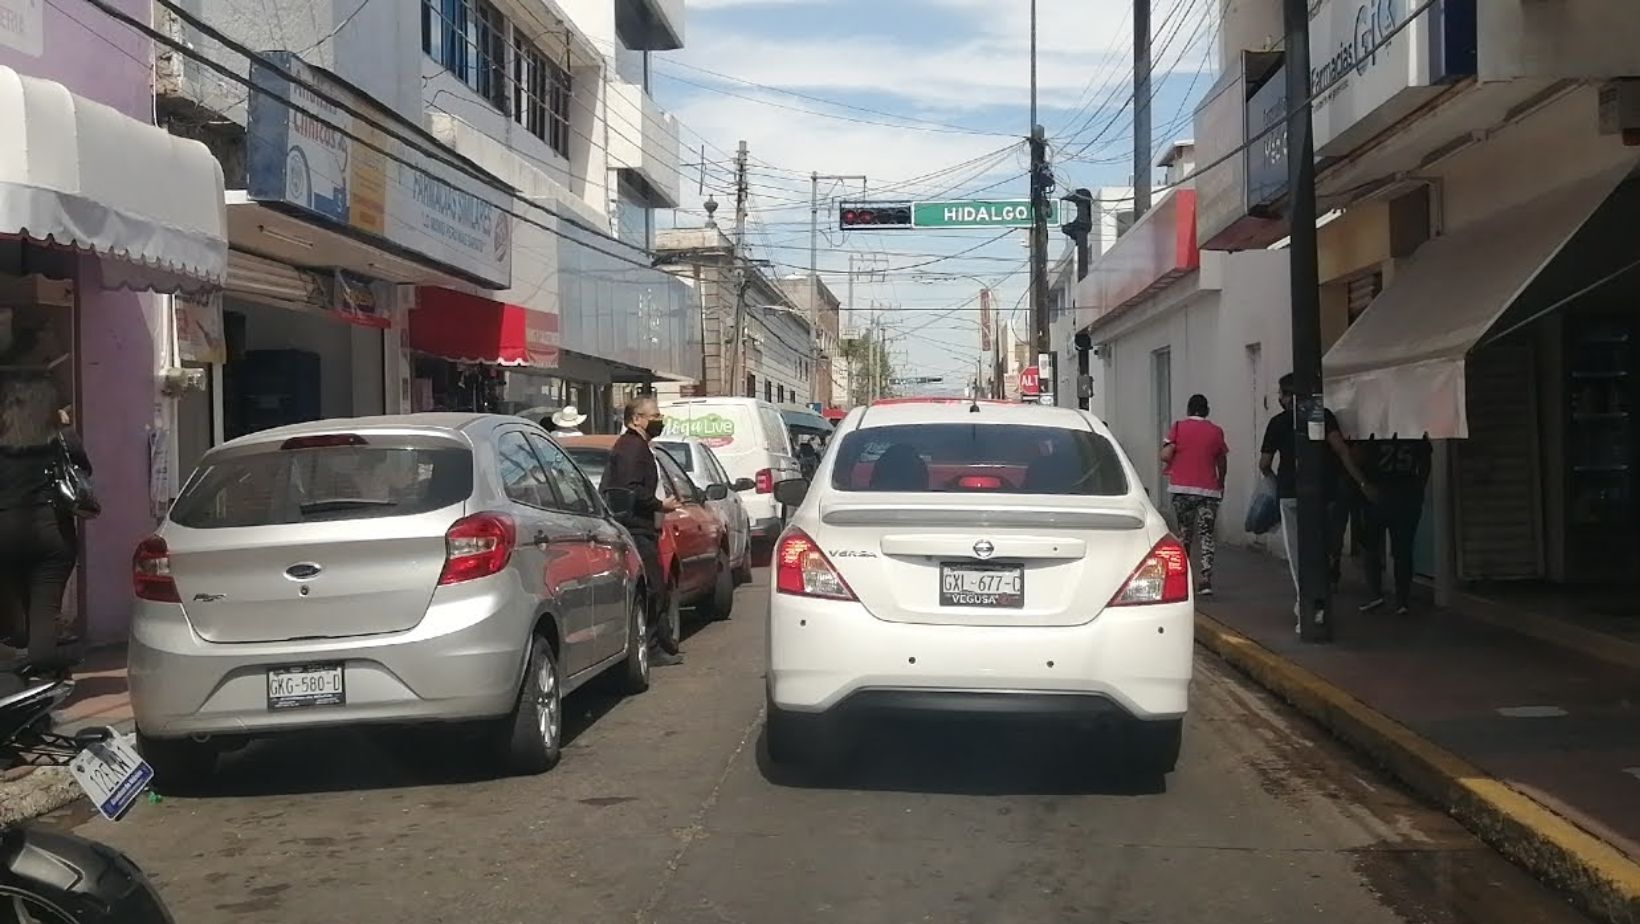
[[472, 353], [98, 211], [329, 241]]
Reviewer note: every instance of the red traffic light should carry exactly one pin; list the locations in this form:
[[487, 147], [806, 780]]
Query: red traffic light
[[875, 215]]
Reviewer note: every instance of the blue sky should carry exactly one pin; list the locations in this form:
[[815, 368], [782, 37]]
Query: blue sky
[[946, 83]]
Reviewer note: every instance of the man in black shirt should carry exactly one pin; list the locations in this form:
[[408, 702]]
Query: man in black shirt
[[1279, 442], [632, 467], [1398, 469]]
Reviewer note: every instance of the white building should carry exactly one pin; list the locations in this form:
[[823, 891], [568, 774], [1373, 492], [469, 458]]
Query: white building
[[470, 228]]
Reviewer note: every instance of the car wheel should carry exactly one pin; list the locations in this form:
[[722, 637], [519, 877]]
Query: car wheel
[[531, 739], [1152, 748], [722, 601], [635, 669], [801, 740], [670, 631], [180, 764]]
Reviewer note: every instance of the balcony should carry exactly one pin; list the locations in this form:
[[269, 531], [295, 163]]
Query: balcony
[[650, 25], [643, 139]]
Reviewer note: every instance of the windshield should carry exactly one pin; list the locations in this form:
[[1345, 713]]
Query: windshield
[[284, 486], [978, 458]]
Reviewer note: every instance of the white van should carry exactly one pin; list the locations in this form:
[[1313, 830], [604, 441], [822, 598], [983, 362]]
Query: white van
[[750, 439]]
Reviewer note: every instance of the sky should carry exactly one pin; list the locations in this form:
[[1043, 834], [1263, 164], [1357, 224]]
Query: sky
[[928, 99]]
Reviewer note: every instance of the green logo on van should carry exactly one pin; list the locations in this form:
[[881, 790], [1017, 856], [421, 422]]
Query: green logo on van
[[714, 429]]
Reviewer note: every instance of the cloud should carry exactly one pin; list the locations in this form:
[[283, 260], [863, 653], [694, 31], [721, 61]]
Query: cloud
[[726, 4]]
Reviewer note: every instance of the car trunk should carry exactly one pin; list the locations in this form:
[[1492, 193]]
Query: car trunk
[[320, 537], [257, 586], [965, 560]]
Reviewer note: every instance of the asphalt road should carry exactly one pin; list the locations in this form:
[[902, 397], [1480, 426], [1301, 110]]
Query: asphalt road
[[663, 811]]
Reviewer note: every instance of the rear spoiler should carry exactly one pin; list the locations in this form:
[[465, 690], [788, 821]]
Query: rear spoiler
[[1014, 518]]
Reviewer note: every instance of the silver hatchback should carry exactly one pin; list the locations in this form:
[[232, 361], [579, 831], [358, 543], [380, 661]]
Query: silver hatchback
[[386, 570]]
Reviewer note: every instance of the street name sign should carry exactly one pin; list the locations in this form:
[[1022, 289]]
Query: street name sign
[[976, 213]]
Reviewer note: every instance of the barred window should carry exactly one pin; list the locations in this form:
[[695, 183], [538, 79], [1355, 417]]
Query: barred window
[[469, 38], [541, 94]]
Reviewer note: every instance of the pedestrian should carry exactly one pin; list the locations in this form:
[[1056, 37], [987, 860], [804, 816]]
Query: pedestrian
[[1196, 456], [1279, 443], [632, 468], [567, 422], [1398, 471], [39, 543]]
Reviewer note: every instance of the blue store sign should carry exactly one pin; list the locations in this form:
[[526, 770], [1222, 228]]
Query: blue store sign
[[303, 153]]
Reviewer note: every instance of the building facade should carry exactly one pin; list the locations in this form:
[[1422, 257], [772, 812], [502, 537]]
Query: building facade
[[815, 299], [102, 214], [1476, 285], [775, 359]]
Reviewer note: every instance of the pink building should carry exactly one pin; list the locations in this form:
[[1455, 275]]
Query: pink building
[[99, 211]]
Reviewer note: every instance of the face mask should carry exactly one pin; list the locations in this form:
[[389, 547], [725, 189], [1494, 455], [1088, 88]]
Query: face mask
[[654, 428]]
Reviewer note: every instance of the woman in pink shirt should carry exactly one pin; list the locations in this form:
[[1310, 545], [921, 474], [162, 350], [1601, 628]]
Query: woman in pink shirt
[[1195, 455]]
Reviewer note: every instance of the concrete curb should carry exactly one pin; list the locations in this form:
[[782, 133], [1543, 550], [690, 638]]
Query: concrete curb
[[45, 789], [1601, 879]]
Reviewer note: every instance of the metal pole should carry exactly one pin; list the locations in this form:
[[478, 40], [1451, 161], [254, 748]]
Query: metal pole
[[1141, 107], [737, 377], [1309, 437], [1041, 184], [814, 239], [1033, 65]]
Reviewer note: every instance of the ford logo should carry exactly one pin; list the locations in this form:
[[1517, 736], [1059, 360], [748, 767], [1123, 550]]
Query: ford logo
[[304, 571], [984, 549]]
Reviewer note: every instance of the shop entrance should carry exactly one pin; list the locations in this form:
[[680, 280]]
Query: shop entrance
[[289, 365]]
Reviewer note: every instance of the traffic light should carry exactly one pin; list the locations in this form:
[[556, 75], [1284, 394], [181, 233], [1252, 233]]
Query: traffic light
[[875, 215], [1079, 227]]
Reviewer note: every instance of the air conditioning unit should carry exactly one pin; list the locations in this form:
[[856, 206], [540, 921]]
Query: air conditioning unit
[[1620, 109]]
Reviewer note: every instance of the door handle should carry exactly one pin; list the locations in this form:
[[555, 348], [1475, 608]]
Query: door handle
[[541, 537]]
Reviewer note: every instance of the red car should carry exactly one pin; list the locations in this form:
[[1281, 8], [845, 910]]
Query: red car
[[694, 545]]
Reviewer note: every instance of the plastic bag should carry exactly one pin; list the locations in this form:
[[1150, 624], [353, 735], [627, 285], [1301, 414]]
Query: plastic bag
[[1264, 511]]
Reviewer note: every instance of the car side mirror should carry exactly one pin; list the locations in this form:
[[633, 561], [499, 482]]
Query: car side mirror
[[792, 491], [620, 501], [744, 484], [717, 492]]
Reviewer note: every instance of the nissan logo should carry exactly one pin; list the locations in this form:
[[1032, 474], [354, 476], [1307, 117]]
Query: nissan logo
[[304, 571], [984, 549]]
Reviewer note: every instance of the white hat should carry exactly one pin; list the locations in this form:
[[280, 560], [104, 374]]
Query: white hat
[[568, 418]]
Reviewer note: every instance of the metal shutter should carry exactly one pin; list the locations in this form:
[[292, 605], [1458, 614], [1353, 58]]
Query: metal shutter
[[1498, 487], [1360, 291]]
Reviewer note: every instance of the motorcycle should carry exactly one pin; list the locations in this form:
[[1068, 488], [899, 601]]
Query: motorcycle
[[49, 877]]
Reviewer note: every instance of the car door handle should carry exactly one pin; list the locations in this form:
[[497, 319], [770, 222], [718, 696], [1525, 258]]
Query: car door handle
[[541, 537]]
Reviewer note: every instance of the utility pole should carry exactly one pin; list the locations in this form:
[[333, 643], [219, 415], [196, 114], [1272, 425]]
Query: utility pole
[[1141, 108], [1042, 184], [1309, 414], [737, 377]]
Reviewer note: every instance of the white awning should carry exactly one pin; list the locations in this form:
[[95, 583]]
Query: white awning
[[78, 173], [1400, 367]]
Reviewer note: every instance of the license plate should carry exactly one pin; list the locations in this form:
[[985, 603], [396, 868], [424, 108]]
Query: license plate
[[112, 774], [301, 686], [989, 586]]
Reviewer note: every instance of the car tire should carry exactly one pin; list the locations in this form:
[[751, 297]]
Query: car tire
[[721, 603], [801, 740], [669, 631], [1153, 747], [180, 764], [531, 739], [635, 668]]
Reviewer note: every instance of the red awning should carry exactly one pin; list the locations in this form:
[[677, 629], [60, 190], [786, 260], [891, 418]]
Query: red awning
[[468, 328]]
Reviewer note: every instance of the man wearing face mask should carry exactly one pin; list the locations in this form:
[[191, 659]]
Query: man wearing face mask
[[632, 468]]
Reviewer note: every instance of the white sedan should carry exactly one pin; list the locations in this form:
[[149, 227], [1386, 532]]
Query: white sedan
[[980, 558]]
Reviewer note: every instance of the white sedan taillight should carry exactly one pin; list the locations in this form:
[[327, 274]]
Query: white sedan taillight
[[151, 572], [1163, 577], [802, 570]]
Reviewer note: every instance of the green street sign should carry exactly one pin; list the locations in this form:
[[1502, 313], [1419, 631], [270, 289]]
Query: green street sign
[[976, 213]]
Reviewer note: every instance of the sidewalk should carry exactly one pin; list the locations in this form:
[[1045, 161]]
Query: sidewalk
[[1467, 705]]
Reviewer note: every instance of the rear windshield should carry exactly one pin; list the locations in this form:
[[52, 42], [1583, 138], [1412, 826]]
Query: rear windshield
[[592, 462], [281, 487], [680, 454], [978, 459]]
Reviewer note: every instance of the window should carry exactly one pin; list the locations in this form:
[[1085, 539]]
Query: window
[[680, 453], [774, 431], [540, 95], [979, 458], [469, 38], [768, 391], [574, 493], [751, 385], [522, 474], [353, 482], [682, 487]]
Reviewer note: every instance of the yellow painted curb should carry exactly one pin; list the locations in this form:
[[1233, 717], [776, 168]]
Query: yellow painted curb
[[1603, 880]]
